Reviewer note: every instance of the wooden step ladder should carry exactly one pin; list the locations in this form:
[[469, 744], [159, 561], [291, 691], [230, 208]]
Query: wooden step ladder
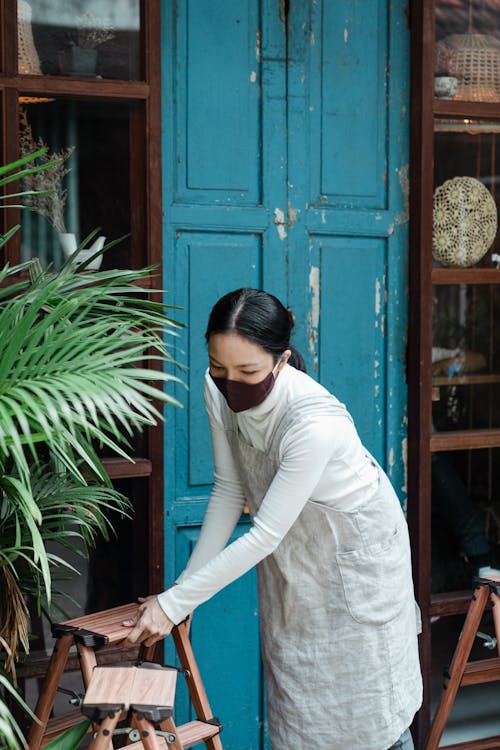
[[93, 632], [143, 694], [463, 672]]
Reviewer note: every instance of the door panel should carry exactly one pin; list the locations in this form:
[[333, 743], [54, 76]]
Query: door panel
[[238, 257], [225, 184], [347, 176], [284, 169], [351, 330], [218, 123], [347, 56]]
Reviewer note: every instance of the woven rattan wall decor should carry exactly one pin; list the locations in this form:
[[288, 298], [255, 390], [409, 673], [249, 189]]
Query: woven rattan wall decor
[[464, 222]]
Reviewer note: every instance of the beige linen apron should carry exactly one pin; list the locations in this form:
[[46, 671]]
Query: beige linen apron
[[337, 611]]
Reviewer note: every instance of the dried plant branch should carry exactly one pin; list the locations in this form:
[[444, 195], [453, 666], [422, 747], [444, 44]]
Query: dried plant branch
[[47, 194], [14, 624], [93, 31]]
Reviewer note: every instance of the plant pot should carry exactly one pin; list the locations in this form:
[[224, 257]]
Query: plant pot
[[78, 61], [69, 246]]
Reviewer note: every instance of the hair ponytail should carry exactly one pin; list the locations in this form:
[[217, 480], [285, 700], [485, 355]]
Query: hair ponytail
[[297, 360]]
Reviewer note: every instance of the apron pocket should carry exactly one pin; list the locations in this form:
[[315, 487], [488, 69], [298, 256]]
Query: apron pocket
[[377, 579]]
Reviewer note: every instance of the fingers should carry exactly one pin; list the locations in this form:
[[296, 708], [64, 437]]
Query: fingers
[[150, 625], [135, 635], [142, 599]]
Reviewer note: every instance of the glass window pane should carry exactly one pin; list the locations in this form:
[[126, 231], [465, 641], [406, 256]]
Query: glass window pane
[[465, 516], [467, 192], [92, 184], [466, 357], [97, 39], [467, 62]]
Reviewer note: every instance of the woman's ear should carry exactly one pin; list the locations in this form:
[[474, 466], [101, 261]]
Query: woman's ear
[[284, 359]]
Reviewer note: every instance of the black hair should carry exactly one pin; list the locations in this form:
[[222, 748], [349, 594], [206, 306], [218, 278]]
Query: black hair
[[259, 317]]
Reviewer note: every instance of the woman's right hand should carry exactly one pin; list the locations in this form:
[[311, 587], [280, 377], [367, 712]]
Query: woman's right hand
[[150, 625]]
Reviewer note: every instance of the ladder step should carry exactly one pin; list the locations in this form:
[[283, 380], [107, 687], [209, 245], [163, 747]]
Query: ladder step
[[188, 734], [139, 746], [196, 731], [60, 723], [487, 743], [108, 622], [482, 670]]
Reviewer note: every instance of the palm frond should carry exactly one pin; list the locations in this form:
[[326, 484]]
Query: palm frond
[[84, 366], [11, 737]]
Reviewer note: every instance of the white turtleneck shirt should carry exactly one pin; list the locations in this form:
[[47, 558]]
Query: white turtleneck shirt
[[322, 460]]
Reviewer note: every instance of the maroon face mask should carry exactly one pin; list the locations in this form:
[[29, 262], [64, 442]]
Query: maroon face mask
[[242, 396]]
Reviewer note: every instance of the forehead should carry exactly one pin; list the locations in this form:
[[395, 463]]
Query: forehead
[[233, 349]]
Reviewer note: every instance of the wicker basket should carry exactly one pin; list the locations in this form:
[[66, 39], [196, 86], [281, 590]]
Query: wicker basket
[[474, 59], [465, 222]]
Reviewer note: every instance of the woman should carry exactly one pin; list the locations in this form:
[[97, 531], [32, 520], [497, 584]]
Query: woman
[[338, 617]]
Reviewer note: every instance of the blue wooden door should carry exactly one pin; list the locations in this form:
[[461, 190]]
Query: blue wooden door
[[348, 125], [225, 174], [283, 153]]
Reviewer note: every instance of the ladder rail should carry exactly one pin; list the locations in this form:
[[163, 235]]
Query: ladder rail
[[460, 666], [91, 632]]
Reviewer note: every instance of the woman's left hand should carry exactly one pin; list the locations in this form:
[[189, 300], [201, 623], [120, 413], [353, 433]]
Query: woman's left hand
[[150, 625]]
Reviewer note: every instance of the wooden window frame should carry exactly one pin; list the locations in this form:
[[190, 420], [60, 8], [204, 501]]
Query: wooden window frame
[[421, 442]]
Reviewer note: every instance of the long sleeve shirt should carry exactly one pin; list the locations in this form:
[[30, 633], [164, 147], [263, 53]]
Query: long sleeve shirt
[[323, 461]]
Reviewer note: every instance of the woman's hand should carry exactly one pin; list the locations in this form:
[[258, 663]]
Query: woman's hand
[[150, 625]]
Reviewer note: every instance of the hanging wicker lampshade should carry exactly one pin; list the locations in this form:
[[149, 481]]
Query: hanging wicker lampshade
[[28, 61], [474, 60]]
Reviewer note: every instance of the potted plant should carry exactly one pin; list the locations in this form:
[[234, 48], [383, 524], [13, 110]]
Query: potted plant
[[46, 194], [57, 404], [80, 56]]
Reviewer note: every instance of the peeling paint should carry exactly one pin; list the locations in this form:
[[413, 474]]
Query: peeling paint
[[314, 312], [311, 39], [404, 182], [392, 458], [279, 220], [377, 297], [376, 391], [292, 214], [390, 229], [257, 45], [346, 35], [323, 216], [253, 76], [404, 456]]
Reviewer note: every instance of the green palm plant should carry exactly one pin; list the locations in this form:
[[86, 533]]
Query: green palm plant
[[82, 360]]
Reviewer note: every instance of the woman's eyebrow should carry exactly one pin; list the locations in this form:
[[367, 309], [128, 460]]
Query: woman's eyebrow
[[247, 364]]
